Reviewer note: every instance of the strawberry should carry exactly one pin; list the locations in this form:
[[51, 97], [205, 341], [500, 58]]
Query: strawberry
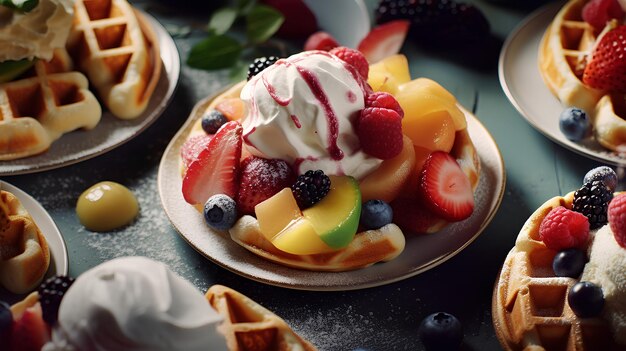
[[192, 147], [606, 70], [216, 169], [29, 331], [411, 214], [261, 179], [563, 229], [354, 58], [380, 132], [384, 40], [299, 22], [384, 100], [444, 187], [320, 41], [617, 219], [598, 12]]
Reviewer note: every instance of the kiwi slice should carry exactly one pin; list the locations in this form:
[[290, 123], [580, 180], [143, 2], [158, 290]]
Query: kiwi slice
[[11, 69]]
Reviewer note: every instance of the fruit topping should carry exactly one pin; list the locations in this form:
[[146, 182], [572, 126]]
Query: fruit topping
[[6, 320], [29, 331], [387, 74], [310, 188], [617, 219], [380, 132], [445, 189], [564, 229], [384, 40], [299, 20], [320, 41], [592, 200], [51, 293], [354, 58], [598, 12], [261, 179], [216, 169], [233, 108], [569, 263], [212, 121], [604, 174], [220, 212], [574, 124], [606, 69], [259, 64], [586, 299], [441, 331], [376, 214], [384, 100], [192, 147]]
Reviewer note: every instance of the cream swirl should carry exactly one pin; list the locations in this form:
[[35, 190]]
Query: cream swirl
[[135, 303]]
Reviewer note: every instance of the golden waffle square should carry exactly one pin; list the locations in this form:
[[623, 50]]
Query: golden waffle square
[[118, 50]]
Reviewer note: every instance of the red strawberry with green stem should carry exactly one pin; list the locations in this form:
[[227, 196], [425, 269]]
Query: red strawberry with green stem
[[606, 69]]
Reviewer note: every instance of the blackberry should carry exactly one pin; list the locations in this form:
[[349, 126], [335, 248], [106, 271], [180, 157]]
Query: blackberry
[[310, 188], [51, 293], [592, 200], [259, 64], [212, 121]]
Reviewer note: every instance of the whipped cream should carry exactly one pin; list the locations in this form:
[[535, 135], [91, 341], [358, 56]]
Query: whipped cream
[[605, 268], [37, 33], [135, 303], [302, 110]]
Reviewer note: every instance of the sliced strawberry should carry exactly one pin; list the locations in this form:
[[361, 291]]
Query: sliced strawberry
[[445, 189], [598, 12], [384, 40], [320, 41], [29, 331], [216, 169], [192, 147], [411, 215], [261, 179], [606, 69]]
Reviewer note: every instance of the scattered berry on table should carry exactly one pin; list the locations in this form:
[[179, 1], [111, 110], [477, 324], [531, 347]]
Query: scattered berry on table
[[586, 299], [299, 20], [212, 121], [380, 132], [261, 179], [310, 188], [354, 58], [604, 174], [564, 229], [51, 293], [605, 70], [441, 331], [592, 200], [6, 320], [384, 100], [598, 12], [376, 214], [259, 64], [320, 41], [617, 219], [569, 263], [574, 124], [220, 212]]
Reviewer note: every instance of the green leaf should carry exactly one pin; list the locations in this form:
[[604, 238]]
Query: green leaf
[[222, 20], [238, 72], [263, 21], [244, 6], [215, 52], [21, 5]]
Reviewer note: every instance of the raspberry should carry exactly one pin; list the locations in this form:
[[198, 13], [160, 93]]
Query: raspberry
[[353, 57], [259, 64], [384, 100], [592, 200], [564, 229], [617, 219], [380, 132], [310, 188], [51, 293]]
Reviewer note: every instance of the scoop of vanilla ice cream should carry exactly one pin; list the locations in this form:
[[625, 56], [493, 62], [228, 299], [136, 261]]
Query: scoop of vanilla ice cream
[[35, 34], [135, 303], [302, 110], [606, 268]]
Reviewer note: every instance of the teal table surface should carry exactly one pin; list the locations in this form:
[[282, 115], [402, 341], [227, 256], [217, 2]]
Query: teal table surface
[[379, 318]]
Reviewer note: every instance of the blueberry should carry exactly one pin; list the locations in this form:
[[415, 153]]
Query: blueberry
[[604, 174], [441, 331], [586, 299], [6, 319], [212, 121], [574, 124], [376, 214], [220, 212], [569, 263]]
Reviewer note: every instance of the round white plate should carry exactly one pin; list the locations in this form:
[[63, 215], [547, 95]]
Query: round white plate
[[422, 252], [521, 81], [59, 262], [111, 132]]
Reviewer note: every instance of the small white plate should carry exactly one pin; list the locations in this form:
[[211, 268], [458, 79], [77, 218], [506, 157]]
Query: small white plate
[[59, 262], [422, 252], [111, 132], [522, 83]]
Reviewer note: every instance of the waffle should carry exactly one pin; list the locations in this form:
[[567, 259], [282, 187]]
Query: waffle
[[563, 54], [24, 253], [529, 307], [46, 102], [248, 326], [118, 50]]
